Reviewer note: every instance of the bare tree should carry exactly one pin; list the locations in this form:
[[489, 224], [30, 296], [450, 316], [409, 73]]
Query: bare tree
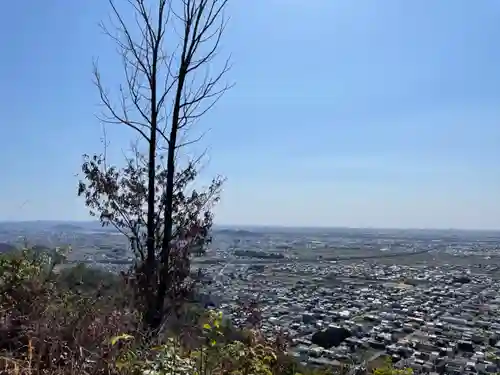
[[167, 89]]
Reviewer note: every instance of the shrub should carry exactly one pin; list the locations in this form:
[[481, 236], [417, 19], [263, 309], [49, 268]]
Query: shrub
[[88, 280], [215, 355], [49, 329], [388, 369]]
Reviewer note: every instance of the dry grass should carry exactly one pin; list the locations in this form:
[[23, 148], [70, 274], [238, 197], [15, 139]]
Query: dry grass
[[47, 328]]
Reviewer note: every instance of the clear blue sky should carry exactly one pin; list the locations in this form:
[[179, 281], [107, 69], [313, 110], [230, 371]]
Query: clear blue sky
[[344, 113]]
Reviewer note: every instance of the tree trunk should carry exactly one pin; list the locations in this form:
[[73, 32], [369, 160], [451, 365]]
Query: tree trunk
[[169, 197]]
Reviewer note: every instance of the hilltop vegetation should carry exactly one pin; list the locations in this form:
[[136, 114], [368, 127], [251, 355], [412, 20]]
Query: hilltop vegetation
[[83, 321]]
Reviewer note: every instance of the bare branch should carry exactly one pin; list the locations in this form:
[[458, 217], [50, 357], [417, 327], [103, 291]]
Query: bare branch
[[167, 88]]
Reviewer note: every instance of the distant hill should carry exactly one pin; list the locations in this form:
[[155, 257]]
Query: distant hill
[[67, 227], [236, 232], [51, 225], [7, 248]]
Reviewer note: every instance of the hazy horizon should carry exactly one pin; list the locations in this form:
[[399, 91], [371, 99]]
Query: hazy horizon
[[260, 226]]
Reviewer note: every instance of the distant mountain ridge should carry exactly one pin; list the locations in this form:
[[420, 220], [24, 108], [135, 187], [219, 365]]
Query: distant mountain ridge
[[67, 227], [55, 225], [256, 230]]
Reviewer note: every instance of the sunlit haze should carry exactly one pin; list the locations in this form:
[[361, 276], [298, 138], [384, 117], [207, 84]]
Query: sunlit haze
[[343, 113]]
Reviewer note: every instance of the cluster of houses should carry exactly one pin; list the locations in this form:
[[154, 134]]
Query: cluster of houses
[[432, 319]]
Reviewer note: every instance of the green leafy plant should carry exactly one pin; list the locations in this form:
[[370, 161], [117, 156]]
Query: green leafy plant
[[389, 369], [236, 357]]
